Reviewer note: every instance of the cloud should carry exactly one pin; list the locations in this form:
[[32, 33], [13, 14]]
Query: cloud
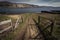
[[56, 4], [33, 0], [40, 2], [47, 1], [51, 0]]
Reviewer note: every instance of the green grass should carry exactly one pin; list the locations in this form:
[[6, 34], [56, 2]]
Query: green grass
[[21, 24], [3, 18], [11, 35], [56, 30]]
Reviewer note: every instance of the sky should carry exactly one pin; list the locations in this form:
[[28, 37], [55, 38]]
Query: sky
[[55, 3]]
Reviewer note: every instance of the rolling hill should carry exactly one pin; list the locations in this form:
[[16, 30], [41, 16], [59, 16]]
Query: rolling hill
[[16, 5]]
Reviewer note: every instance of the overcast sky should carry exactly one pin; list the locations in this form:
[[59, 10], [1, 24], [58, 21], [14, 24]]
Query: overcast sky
[[38, 2]]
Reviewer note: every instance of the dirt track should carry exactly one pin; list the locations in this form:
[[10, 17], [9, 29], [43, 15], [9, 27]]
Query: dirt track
[[29, 30], [23, 35], [22, 31]]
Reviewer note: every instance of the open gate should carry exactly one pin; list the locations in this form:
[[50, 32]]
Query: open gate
[[36, 32]]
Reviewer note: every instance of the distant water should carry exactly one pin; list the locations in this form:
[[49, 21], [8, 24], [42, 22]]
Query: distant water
[[27, 10]]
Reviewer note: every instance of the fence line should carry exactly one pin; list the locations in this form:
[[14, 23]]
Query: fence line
[[5, 22], [5, 29]]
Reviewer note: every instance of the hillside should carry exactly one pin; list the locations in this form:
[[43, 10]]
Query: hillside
[[16, 5]]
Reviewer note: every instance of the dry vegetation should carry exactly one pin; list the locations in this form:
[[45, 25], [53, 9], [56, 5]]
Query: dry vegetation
[[54, 17]]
